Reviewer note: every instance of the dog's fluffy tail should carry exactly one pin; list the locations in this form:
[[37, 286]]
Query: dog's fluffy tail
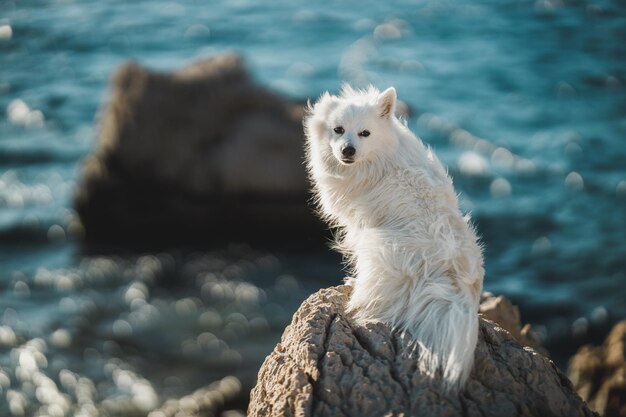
[[442, 322], [445, 334]]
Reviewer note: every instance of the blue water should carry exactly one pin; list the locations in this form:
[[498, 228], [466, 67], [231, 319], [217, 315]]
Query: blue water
[[525, 101]]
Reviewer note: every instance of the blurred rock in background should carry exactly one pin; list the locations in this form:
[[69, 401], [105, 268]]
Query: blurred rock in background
[[206, 401], [196, 155], [503, 312], [599, 373]]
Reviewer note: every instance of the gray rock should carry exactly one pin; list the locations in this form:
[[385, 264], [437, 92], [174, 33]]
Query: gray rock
[[196, 155], [326, 365]]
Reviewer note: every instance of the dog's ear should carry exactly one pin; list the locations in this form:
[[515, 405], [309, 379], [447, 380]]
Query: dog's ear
[[316, 115], [323, 105], [387, 103]]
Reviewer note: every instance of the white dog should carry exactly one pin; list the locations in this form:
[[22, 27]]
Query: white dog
[[417, 262]]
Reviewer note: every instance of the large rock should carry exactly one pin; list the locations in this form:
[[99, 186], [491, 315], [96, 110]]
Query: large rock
[[599, 373], [199, 154], [326, 365]]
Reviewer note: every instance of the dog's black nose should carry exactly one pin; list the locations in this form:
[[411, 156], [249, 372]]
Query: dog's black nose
[[348, 151]]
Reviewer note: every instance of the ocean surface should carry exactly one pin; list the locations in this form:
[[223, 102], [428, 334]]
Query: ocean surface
[[525, 101]]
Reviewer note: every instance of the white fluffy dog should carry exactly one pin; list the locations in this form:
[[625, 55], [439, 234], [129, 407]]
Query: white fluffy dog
[[417, 262]]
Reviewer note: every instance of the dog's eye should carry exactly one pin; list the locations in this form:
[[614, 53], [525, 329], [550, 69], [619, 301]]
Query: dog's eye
[[339, 130], [364, 133]]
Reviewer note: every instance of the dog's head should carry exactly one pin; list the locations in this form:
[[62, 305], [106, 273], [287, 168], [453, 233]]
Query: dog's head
[[353, 127]]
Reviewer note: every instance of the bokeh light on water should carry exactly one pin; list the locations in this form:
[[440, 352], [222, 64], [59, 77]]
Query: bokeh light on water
[[119, 335], [524, 101]]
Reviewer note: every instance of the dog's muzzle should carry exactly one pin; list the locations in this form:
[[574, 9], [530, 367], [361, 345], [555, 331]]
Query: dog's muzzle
[[347, 154]]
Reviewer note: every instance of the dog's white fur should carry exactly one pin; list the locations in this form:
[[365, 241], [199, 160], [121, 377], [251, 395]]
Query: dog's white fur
[[417, 262]]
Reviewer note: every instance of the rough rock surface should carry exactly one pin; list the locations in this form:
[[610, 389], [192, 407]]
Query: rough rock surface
[[599, 373], [193, 154], [500, 310], [327, 366]]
